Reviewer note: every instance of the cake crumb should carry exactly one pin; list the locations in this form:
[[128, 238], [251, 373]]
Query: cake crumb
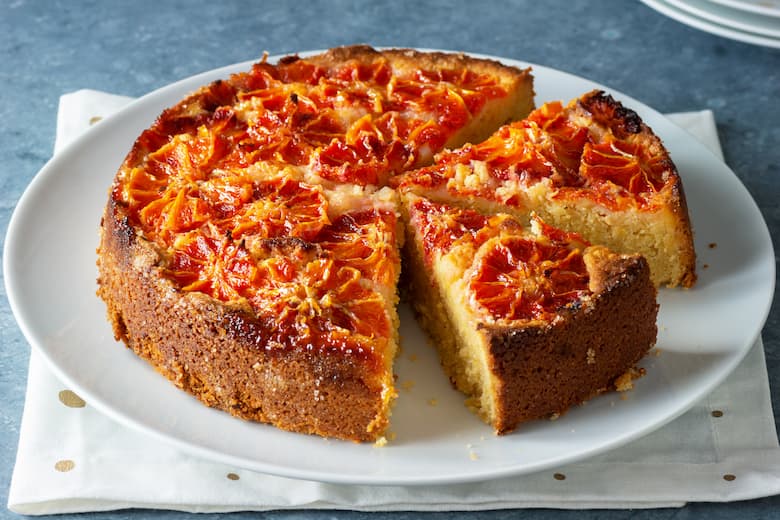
[[591, 356], [381, 442], [626, 381], [433, 402], [555, 416], [412, 357], [712, 245], [407, 385], [473, 456], [391, 436]]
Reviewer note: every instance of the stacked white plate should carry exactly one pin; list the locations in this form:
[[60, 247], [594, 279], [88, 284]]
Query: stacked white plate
[[750, 21]]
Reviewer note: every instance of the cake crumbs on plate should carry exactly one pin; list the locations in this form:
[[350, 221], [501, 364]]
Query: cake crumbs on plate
[[433, 402], [625, 382], [383, 441], [407, 385]]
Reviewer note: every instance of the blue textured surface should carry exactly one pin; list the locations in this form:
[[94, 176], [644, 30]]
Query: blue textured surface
[[49, 48]]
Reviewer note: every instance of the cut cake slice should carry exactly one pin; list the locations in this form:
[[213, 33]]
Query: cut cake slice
[[528, 320]]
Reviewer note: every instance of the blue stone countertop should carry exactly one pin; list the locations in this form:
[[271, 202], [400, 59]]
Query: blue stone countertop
[[48, 48]]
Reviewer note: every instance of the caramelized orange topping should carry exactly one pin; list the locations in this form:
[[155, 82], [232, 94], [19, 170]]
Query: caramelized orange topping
[[571, 147], [196, 184], [359, 123], [440, 226], [515, 274], [520, 278]]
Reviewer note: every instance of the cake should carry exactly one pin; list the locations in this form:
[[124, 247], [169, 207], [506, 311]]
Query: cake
[[528, 319], [249, 250], [252, 242]]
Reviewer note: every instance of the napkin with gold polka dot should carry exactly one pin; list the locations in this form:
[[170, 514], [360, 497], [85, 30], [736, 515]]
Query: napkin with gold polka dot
[[73, 459]]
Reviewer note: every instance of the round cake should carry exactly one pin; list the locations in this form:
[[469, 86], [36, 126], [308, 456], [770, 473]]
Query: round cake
[[253, 240]]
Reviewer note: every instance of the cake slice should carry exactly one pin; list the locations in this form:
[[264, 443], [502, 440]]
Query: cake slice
[[264, 296], [592, 167], [528, 319]]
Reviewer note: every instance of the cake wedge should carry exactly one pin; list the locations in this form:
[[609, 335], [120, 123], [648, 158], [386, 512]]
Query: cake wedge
[[529, 320]]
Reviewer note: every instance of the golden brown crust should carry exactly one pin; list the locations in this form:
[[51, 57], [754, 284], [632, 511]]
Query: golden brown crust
[[414, 60], [544, 370], [217, 352]]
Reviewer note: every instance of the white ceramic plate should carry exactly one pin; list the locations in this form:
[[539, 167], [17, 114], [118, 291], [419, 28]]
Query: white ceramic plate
[[709, 26], [704, 332], [763, 7], [740, 20]]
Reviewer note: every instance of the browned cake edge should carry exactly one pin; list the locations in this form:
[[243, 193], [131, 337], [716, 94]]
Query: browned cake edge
[[624, 122], [542, 371], [216, 351]]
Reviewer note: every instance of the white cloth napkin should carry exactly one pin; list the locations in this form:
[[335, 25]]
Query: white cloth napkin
[[73, 459]]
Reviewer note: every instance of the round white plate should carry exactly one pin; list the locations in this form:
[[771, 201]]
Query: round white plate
[[764, 7], [704, 332], [703, 24], [736, 19]]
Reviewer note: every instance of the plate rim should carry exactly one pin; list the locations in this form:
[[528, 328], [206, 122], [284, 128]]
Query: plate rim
[[38, 182], [722, 15], [701, 24], [751, 7]]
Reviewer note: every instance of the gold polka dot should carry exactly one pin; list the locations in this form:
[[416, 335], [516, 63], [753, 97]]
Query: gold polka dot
[[729, 477], [717, 413], [70, 399], [64, 465], [559, 476], [232, 476], [94, 119]]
